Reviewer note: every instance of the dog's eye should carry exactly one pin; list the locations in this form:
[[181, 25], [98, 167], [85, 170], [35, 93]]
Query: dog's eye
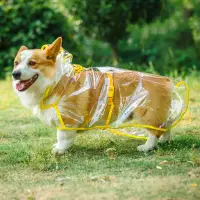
[[16, 63], [32, 63]]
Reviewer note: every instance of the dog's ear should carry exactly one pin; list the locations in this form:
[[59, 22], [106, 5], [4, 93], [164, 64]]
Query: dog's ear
[[53, 49], [22, 48]]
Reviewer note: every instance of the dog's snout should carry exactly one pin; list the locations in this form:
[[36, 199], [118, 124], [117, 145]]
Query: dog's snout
[[16, 74]]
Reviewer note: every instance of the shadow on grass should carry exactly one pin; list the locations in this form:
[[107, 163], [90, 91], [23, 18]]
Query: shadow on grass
[[182, 142], [106, 153], [129, 147]]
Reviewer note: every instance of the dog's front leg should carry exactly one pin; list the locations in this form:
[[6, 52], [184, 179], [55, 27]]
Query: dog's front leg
[[65, 139], [149, 145]]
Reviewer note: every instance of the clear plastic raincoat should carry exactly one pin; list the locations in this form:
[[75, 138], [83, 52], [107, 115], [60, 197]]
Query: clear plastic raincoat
[[126, 102]]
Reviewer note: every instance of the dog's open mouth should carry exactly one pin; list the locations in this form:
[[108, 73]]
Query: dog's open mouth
[[25, 84]]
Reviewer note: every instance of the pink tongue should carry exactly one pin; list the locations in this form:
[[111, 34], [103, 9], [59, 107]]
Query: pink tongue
[[20, 86]]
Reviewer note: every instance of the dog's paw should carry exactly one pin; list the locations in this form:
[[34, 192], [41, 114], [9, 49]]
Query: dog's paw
[[145, 148], [58, 151]]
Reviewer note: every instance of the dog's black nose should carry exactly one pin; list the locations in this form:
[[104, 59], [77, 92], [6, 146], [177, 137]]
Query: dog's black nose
[[16, 74]]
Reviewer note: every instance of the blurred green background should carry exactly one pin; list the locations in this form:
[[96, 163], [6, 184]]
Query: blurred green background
[[156, 36]]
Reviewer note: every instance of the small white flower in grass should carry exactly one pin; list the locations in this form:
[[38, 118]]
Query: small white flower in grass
[[158, 167]]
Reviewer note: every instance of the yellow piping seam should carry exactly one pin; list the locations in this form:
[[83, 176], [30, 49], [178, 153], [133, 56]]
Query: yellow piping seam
[[68, 56], [187, 103], [59, 116], [110, 114], [110, 97], [42, 106], [44, 47], [127, 135], [78, 68], [108, 126]]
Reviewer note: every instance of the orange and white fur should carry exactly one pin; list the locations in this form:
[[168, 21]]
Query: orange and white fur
[[35, 70]]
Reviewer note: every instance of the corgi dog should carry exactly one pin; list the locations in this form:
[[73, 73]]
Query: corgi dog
[[83, 96]]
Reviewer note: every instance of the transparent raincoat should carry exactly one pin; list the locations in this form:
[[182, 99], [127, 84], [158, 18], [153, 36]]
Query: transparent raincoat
[[126, 102]]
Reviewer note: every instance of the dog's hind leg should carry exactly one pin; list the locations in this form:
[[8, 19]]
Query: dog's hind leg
[[150, 144], [65, 139]]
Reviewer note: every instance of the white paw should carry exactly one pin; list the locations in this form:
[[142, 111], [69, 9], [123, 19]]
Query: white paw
[[57, 150], [145, 148]]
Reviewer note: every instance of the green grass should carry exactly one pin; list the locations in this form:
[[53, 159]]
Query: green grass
[[99, 165]]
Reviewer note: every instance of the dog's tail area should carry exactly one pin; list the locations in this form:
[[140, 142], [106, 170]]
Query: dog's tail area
[[179, 104]]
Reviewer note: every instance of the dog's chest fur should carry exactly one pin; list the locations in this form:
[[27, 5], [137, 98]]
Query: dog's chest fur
[[48, 116]]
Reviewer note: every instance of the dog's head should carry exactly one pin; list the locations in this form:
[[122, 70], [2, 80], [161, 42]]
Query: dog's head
[[35, 68]]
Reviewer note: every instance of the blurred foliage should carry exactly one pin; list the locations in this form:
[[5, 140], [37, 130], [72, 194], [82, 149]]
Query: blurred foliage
[[107, 20], [30, 23], [160, 47], [169, 46], [192, 8], [157, 36]]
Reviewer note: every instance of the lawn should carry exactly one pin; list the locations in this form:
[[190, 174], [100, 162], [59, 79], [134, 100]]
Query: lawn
[[99, 165]]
